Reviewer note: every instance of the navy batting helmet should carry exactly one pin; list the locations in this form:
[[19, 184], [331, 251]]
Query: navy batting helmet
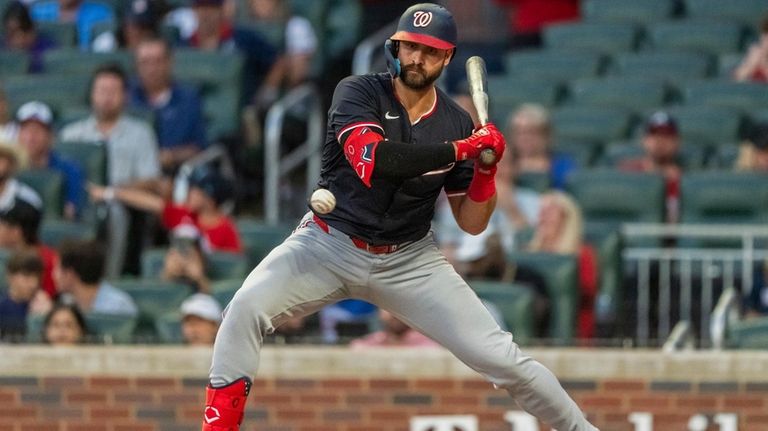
[[425, 23]]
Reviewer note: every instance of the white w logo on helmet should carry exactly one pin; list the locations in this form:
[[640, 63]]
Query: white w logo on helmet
[[422, 19]]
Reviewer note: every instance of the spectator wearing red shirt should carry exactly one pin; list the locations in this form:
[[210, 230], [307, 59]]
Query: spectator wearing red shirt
[[661, 143], [202, 208], [528, 17]]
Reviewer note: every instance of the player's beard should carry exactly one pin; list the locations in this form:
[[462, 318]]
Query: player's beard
[[419, 79]]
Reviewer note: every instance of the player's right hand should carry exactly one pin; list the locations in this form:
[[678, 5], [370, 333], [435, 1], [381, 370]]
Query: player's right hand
[[487, 136]]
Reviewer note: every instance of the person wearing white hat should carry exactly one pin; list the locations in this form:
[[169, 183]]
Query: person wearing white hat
[[201, 316]]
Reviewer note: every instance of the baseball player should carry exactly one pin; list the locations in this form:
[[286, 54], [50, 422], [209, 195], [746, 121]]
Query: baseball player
[[394, 141]]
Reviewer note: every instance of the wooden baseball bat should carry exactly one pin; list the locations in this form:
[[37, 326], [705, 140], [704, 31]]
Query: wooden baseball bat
[[478, 89]]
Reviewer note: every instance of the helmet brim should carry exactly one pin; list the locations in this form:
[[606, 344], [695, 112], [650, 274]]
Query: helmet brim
[[423, 39]]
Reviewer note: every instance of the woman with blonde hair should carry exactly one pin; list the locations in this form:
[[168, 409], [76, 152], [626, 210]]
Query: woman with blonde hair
[[561, 230]]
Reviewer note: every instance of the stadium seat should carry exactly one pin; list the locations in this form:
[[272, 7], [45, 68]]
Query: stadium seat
[[224, 290], [13, 63], [560, 274], [745, 12], [749, 334], [111, 328], [555, 66], [609, 303], [604, 38], [219, 75], [538, 181], [4, 256], [693, 155], [223, 265], [72, 61], [49, 184], [724, 197], [673, 68], [582, 152], [712, 125], [35, 324], [727, 64], [260, 238], [63, 33], [53, 231], [738, 95], [168, 328], [154, 298], [629, 93], [91, 155], [643, 12], [56, 90], [509, 92], [705, 36], [590, 123], [514, 301], [616, 197]]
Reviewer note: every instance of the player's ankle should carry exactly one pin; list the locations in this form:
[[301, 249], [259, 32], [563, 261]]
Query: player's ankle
[[225, 405]]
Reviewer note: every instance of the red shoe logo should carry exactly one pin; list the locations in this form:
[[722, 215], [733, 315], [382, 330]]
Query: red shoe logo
[[215, 414]]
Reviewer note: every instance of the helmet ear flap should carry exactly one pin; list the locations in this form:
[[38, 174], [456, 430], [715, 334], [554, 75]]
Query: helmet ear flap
[[390, 52]]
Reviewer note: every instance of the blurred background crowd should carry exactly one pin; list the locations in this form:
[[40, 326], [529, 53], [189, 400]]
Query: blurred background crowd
[[132, 162]]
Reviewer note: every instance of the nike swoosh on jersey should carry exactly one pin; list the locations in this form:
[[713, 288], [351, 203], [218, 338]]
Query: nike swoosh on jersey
[[389, 116]]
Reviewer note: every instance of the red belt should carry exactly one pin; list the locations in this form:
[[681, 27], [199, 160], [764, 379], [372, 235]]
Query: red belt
[[361, 244]]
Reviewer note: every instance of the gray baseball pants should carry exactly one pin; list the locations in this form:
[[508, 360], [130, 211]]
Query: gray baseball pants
[[313, 268]]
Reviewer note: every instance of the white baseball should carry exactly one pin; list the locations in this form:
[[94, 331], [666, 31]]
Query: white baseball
[[323, 201]]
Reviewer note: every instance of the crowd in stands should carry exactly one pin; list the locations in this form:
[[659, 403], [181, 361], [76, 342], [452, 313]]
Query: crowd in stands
[[105, 107]]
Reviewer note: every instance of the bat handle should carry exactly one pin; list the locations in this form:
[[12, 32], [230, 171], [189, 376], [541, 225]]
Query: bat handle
[[488, 157]]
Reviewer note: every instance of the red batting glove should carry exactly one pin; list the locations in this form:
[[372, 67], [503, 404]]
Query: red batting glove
[[483, 185], [487, 136]]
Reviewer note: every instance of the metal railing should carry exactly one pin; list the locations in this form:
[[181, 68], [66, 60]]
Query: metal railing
[[363, 58], [689, 275], [277, 167], [725, 313]]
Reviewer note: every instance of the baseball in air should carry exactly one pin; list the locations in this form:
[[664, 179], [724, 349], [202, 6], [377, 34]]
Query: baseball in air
[[323, 201]]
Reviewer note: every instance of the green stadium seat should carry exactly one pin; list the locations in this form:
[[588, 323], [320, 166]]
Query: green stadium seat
[[152, 263], [223, 265], [224, 290], [220, 77], [273, 32], [727, 64], [260, 238], [53, 232], [745, 12], [724, 157], [49, 184], [154, 298], [560, 274], [72, 61], [616, 197], [582, 152], [35, 324], [63, 33], [713, 125], [91, 155], [738, 95], [604, 38], [705, 36], [643, 12], [672, 67], [56, 90], [748, 334], [692, 155], [13, 63], [168, 328], [111, 328], [342, 27], [629, 93], [509, 92], [514, 301], [4, 256], [724, 197], [606, 240], [555, 66], [590, 123], [538, 181]]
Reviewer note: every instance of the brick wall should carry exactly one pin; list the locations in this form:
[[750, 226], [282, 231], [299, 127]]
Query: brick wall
[[50, 400]]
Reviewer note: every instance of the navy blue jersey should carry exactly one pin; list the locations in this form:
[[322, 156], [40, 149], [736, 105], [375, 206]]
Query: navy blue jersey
[[390, 211]]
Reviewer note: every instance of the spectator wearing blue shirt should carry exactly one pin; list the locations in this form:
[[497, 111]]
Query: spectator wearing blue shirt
[[178, 109], [24, 273], [19, 33], [85, 14], [36, 138]]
